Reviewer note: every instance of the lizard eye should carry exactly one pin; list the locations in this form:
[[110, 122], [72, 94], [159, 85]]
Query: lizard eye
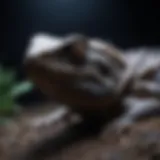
[[103, 69]]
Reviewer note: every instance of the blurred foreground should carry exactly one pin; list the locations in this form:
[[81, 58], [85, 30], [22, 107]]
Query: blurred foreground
[[123, 99]]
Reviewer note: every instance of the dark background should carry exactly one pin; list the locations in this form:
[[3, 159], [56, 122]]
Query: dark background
[[126, 23]]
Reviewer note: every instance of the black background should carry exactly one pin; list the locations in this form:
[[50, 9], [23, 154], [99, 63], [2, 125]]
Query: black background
[[126, 23]]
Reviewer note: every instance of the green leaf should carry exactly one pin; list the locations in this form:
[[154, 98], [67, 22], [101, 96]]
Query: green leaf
[[9, 91], [6, 105], [21, 88], [7, 80]]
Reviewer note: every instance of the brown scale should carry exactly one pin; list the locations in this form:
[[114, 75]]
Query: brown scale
[[57, 72], [148, 84], [54, 73], [128, 144], [143, 100], [63, 72]]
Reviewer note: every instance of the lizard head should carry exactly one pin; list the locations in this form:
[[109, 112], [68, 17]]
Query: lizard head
[[59, 83]]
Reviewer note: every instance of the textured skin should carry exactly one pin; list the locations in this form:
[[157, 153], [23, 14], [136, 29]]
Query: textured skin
[[58, 78], [129, 140], [144, 99]]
